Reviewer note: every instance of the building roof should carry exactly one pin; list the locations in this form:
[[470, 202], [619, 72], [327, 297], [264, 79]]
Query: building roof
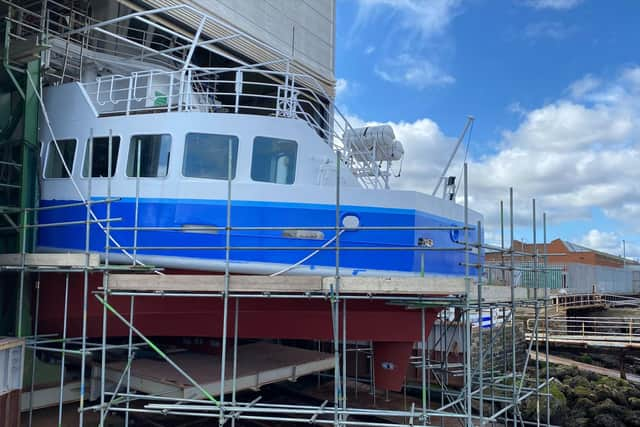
[[574, 247], [571, 247]]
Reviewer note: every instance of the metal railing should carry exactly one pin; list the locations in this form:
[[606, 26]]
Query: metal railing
[[158, 75], [598, 331]]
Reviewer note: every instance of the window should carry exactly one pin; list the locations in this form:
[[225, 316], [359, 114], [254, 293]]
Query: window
[[55, 165], [100, 160], [207, 156], [154, 155], [274, 160]]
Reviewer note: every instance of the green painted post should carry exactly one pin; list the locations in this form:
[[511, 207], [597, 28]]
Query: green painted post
[[29, 152], [30, 149]]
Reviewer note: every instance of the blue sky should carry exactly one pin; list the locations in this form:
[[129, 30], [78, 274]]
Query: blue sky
[[554, 86]]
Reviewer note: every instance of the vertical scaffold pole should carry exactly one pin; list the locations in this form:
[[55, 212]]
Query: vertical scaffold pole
[[514, 397], [105, 282], [537, 309], [504, 311], [136, 214], [235, 357], [130, 353], [546, 317], [227, 278], [335, 302], [480, 320], [23, 259], [33, 353], [64, 347], [85, 289], [423, 365], [129, 357], [467, 306]]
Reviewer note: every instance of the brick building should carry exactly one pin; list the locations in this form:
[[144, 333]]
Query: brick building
[[564, 252]]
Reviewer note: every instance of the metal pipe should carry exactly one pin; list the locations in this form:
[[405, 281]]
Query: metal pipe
[[423, 368], [136, 213], [85, 287], [235, 359], [453, 154], [105, 284], [130, 356], [290, 248], [283, 228], [225, 295], [537, 307], [467, 308], [480, 322], [157, 350], [33, 353], [335, 302], [64, 347], [546, 318], [513, 314]]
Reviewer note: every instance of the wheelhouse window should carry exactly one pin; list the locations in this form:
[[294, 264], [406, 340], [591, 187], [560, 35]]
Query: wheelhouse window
[[274, 160], [55, 164], [154, 153], [99, 163], [207, 156]]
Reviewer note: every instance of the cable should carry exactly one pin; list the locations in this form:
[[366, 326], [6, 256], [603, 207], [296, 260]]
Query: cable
[[308, 257], [68, 171]]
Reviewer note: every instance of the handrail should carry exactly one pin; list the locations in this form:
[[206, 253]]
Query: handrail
[[77, 38], [586, 329], [138, 93]]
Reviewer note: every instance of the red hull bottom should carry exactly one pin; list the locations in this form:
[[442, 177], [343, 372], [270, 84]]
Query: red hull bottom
[[392, 328]]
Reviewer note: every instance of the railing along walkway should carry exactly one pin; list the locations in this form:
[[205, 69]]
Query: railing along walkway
[[587, 331]]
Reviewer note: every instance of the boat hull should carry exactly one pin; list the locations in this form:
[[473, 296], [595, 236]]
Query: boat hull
[[169, 237], [392, 328]]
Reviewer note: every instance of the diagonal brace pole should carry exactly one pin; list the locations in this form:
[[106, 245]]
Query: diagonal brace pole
[[157, 350]]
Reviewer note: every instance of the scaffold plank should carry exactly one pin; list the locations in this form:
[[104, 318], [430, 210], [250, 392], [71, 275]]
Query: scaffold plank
[[50, 260], [430, 285], [259, 364]]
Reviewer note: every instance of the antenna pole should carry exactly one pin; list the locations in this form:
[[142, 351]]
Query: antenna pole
[[470, 120]]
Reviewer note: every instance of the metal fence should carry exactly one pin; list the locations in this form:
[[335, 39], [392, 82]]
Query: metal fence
[[591, 278], [527, 275]]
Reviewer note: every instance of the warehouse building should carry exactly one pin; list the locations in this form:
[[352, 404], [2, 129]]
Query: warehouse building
[[569, 266]]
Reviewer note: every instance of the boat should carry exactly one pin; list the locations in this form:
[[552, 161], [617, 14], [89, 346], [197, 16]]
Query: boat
[[160, 151]]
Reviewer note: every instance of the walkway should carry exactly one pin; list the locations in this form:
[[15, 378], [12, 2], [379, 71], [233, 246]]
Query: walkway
[[586, 367]]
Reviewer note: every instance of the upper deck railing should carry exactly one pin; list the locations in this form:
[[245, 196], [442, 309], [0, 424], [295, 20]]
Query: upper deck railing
[[154, 71]]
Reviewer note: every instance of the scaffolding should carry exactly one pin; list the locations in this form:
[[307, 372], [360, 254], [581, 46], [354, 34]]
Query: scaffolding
[[493, 387], [470, 359]]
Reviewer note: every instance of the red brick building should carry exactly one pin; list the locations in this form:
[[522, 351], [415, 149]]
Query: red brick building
[[563, 252]]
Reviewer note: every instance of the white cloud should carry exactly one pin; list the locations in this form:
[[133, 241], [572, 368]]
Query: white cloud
[[581, 87], [414, 38], [610, 242], [574, 154], [606, 241], [342, 85], [417, 72], [548, 29], [425, 17], [553, 4]]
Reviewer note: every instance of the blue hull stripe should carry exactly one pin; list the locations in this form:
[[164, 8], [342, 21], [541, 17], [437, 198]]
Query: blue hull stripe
[[176, 213]]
